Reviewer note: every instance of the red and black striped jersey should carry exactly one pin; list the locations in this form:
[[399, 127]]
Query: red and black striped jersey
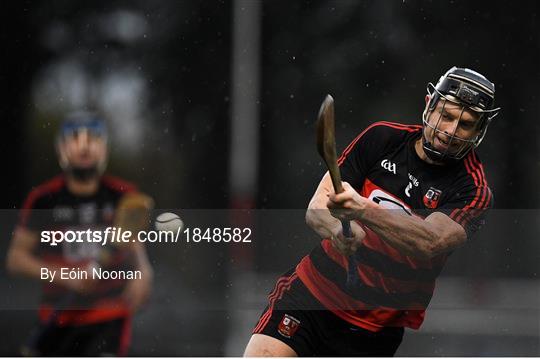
[[393, 289], [52, 207]]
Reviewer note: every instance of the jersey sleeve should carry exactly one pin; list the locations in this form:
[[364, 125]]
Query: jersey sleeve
[[364, 151], [469, 208]]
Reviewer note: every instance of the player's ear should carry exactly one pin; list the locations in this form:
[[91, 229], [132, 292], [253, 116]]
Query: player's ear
[[428, 98], [59, 146]]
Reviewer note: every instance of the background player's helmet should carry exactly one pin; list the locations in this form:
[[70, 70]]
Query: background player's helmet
[[470, 90], [74, 124]]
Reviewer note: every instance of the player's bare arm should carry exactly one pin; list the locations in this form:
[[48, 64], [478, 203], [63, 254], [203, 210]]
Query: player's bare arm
[[319, 218], [412, 236], [133, 213], [261, 345], [22, 260], [137, 291]]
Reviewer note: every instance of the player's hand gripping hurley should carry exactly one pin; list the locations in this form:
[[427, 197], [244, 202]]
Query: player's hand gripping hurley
[[326, 146]]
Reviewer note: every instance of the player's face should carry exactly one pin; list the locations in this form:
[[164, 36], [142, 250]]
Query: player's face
[[83, 148], [450, 126]]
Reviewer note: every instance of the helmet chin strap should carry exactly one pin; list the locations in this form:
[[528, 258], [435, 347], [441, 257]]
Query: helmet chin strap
[[83, 174], [435, 155]]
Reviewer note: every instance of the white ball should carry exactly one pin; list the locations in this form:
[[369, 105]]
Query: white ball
[[169, 222]]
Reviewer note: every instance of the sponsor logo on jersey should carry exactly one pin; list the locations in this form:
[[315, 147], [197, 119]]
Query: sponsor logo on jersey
[[288, 326], [387, 201], [389, 166], [408, 189], [431, 198], [87, 213], [413, 181]]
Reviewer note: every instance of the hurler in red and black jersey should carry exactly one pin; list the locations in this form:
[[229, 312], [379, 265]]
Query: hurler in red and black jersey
[[79, 315], [414, 193]]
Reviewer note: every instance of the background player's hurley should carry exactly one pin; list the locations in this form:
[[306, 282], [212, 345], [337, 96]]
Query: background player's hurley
[[133, 212], [326, 146]]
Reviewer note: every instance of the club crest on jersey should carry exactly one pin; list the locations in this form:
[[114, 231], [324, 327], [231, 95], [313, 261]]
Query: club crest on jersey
[[288, 326], [431, 198]]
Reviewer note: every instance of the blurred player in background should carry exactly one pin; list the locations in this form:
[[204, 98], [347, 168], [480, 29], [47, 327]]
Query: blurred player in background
[[81, 198], [413, 194]]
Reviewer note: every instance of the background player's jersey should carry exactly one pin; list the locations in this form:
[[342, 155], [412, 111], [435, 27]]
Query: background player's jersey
[[51, 207], [394, 289]]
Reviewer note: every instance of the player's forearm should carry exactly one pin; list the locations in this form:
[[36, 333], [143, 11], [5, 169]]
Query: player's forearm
[[410, 235], [318, 217], [141, 261], [20, 262]]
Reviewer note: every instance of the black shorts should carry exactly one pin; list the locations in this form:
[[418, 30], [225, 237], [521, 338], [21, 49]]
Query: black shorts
[[296, 318], [100, 339]]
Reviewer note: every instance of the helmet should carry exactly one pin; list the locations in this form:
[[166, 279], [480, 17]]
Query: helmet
[[470, 90], [72, 125], [82, 119]]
